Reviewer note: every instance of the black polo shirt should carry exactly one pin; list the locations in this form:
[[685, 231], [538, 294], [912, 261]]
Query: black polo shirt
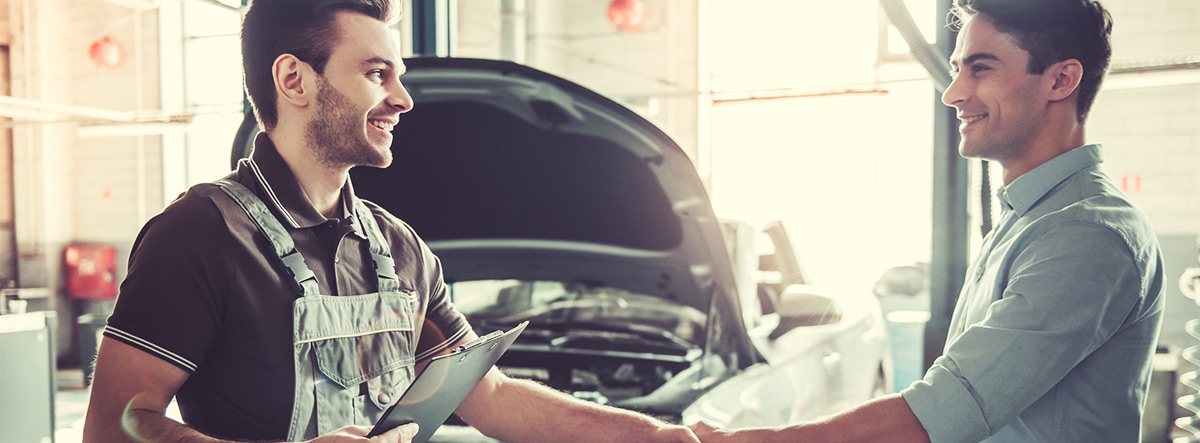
[[205, 292]]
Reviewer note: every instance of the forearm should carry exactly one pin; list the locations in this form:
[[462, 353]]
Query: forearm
[[138, 423], [152, 426], [530, 412], [884, 419], [581, 421]]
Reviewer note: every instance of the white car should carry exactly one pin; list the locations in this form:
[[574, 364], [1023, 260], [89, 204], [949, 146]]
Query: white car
[[549, 203]]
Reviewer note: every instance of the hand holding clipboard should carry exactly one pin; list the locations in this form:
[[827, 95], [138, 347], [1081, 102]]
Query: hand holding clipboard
[[445, 383]]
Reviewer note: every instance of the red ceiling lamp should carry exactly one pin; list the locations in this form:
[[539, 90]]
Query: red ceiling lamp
[[106, 53], [627, 15]]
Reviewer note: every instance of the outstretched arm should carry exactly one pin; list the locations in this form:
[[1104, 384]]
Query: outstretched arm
[[521, 410], [884, 419]]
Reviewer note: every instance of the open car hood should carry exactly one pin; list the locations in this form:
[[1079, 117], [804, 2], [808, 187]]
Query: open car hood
[[508, 172]]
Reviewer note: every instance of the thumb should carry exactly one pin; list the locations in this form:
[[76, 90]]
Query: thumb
[[403, 433], [703, 428]]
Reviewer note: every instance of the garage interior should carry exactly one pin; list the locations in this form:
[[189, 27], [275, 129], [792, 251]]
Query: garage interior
[[814, 114]]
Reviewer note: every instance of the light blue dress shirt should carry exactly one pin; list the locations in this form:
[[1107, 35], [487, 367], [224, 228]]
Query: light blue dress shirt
[[1055, 329]]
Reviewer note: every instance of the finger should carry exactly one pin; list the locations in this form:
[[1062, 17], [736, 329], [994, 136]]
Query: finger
[[357, 431], [402, 434], [675, 434]]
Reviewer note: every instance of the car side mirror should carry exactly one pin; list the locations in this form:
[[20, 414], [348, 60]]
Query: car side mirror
[[804, 305], [903, 280]]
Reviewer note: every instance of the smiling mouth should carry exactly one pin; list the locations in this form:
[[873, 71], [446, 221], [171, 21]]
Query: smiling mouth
[[382, 124], [971, 119]]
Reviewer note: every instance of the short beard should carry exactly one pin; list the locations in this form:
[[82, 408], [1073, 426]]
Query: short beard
[[336, 134]]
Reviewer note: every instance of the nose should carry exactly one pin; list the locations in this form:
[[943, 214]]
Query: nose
[[398, 97], [954, 92]]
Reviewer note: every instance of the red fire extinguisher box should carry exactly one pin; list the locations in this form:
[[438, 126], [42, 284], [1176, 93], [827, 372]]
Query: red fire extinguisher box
[[90, 271]]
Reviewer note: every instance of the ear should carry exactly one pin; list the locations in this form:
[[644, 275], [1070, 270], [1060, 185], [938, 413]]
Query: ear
[[1066, 76], [293, 80]]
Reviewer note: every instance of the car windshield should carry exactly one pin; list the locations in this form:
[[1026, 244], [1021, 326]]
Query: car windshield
[[577, 307]]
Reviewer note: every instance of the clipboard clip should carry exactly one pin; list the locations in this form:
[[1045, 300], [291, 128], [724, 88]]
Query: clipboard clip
[[479, 342]]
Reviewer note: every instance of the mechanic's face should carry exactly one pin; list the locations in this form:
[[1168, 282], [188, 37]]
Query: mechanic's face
[[999, 110], [359, 96]]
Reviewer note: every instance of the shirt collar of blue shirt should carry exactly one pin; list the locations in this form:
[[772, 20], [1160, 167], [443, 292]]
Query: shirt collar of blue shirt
[[1031, 186]]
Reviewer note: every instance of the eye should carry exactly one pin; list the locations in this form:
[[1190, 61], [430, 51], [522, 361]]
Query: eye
[[375, 74], [975, 69]]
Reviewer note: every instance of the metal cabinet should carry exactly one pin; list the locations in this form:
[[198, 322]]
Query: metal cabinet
[[27, 377]]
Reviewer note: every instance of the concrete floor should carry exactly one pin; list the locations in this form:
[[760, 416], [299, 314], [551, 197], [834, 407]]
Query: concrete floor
[[70, 406]]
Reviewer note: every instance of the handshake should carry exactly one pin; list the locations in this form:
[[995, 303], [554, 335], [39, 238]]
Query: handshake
[[698, 432]]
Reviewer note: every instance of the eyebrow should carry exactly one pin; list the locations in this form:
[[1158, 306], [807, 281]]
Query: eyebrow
[[975, 57], [383, 61]]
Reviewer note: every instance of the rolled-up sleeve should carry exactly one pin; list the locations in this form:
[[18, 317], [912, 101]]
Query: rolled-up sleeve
[[1064, 293]]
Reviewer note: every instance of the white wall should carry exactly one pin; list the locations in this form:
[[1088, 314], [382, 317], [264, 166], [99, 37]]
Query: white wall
[[1155, 28], [67, 188], [1150, 127], [116, 181], [653, 70], [849, 175], [843, 157]]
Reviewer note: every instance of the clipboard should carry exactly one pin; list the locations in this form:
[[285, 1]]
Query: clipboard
[[445, 383]]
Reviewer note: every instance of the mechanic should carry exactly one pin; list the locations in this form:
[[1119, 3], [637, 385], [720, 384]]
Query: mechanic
[[276, 305], [1055, 328]]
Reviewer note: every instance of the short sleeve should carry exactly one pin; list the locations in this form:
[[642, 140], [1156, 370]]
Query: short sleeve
[[169, 305], [1068, 291], [443, 325]]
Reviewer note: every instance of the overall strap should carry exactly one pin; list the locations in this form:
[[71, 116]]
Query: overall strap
[[281, 241], [385, 266]]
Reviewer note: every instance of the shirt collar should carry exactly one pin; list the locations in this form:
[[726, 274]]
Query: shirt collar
[[281, 191], [1031, 186], [1002, 196]]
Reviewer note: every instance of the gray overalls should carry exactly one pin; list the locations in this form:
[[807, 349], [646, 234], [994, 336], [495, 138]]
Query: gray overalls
[[340, 343]]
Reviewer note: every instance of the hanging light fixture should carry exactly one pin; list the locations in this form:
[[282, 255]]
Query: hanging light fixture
[[106, 53], [627, 15]]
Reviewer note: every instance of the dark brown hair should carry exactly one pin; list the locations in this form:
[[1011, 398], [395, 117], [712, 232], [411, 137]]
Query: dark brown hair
[[303, 28], [1052, 31]]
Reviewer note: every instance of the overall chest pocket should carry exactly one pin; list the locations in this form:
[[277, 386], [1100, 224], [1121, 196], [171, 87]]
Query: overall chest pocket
[[362, 349]]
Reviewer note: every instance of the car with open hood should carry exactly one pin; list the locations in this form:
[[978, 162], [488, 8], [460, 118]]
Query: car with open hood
[[549, 203]]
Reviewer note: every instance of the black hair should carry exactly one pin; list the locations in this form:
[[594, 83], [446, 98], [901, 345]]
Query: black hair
[[1052, 31], [303, 28]]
